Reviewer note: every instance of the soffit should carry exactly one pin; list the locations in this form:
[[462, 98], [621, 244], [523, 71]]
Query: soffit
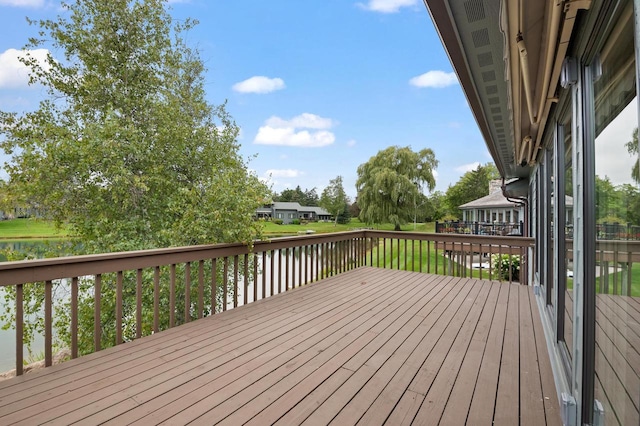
[[477, 35]]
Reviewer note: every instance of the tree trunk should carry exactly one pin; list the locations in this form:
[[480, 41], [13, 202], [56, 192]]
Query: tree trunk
[[397, 228]]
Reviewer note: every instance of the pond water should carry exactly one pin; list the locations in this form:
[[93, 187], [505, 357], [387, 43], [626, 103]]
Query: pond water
[[35, 249]]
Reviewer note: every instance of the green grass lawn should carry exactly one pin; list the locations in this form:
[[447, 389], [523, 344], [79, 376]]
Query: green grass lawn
[[271, 229], [29, 228]]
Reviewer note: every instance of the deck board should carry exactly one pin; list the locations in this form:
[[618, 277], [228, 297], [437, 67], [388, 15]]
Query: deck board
[[369, 346]]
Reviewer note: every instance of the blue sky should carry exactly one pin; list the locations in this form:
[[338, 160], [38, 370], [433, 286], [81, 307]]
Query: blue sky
[[317, 86]]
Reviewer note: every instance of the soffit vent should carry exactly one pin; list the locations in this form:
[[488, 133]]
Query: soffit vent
[[474, 10], [485, 59], [491, 90], [494, 101], [496, 110], [480, 38], [488, 76]]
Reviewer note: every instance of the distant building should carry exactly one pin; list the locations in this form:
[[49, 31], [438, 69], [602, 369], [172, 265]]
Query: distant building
[[289, 211], [494, 207]]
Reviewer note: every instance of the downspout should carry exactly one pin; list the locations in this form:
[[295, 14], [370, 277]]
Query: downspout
[[522, 201]]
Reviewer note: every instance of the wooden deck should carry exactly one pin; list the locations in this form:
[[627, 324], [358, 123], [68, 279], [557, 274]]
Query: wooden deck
[[369, 346]]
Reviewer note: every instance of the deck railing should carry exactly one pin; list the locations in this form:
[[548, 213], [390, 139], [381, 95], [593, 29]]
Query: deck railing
[[480, 228], [194, 282]]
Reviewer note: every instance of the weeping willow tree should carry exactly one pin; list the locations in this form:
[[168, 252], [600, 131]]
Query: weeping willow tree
[[125, 150], [392, 181]]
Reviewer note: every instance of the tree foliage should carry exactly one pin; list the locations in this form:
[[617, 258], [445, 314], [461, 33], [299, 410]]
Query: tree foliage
[[471, 186], [390, 183], [334, 199], [308, 197], [125, 149], [632, 147], [619, 203]]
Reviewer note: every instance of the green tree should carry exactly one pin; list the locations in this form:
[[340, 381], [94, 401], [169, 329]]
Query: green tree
[[391, 181], [471, 186], [125, 148], [632, 147], [434, 207], [308, 197], [334, 199]]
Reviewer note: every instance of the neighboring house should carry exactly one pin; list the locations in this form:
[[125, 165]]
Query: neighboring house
[[290, 211], [494, 207], [553, 86]]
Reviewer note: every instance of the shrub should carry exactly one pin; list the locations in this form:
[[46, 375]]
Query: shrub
[[278, 221], [295, 222], [501, 264]]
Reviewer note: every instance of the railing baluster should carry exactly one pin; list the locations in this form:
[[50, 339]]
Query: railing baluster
[[19, 329], [74, 317], [405, 254], [413, 255], [271, 272], [279, 271], [616, 290], [264, 274], [299, 266], [384, 252], [420, 254], [187, 292], [436, 256], [200, 289], [139, 303], [48, 329], [316, 272], [245, 293], [214, 285], [306, 264], [156, 299], [225, 282], [255, 277], [172, 296], [119, 277], [235, 281], [97, 322], [480, 255], [286, 269]]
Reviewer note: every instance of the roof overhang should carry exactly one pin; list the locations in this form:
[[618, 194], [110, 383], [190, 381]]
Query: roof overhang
[[508, 56]]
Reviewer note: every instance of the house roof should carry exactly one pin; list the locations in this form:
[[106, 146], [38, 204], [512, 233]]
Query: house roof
[[492, 200], [285, 205], [317, 210], [498, 200]]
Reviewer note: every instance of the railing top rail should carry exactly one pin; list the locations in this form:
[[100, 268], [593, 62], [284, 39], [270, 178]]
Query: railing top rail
[[515, 241], [74, 266]]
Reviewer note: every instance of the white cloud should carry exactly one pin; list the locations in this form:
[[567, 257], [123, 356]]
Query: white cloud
[[304, 120], [278, 131], [387, 6], [268, 135], [259, 84], [351, 143], [15, 74], [467, 167], [22, 3], [283, 173], [436, 79]]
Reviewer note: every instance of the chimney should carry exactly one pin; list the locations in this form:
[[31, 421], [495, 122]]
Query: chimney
[[495, 185]]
